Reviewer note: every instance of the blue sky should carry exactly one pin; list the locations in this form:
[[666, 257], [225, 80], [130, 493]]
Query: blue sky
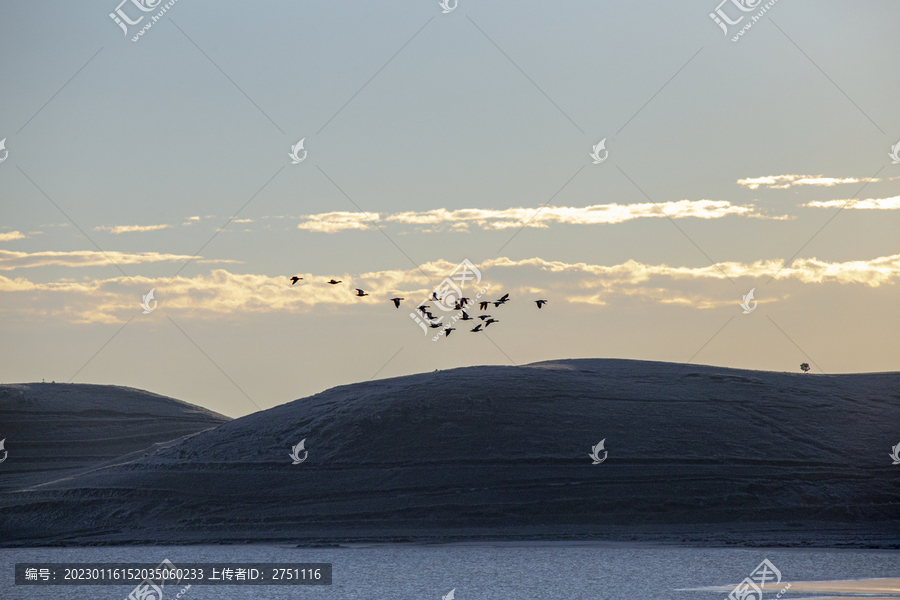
[[432, 138]]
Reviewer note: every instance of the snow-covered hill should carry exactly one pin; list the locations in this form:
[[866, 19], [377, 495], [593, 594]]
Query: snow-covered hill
[[695, 454]]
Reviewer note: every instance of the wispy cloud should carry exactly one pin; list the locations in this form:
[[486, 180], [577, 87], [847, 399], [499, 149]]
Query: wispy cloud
[[869, 203], [333, 222], [873, 273], [533, 217], [129, 228], [87, 258], [12, 235], [222, 293], [786, 181]]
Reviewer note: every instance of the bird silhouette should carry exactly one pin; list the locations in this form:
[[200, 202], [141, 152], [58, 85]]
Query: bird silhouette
[[333, 282], [477, 328], [484, 305], [540, 302], [457, 306], [434, 297], [489, 321], [466, 317], [423, 308], [435, 325], [397, 301], [448, 330], [463, 301], [360, 293], [295, 279], [483, 317], [429, 315], [504, 298]]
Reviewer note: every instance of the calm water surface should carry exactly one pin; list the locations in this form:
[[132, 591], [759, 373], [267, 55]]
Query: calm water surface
[[477, 572]]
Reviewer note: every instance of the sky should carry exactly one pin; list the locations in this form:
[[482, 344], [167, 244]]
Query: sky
[[635, 164]]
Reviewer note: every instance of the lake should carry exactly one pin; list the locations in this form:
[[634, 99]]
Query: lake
[[476, 571]]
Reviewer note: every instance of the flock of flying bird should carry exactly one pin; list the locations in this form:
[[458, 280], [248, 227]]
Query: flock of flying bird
[[460, 305]]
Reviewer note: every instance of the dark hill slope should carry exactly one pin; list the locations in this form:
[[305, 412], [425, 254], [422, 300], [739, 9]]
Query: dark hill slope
[[698, 454], [54, 430]]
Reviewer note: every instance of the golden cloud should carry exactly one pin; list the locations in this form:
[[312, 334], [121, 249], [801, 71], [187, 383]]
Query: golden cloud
[[533, 217], [869, 203], [130, 228], [87, 258], [222, 293], [786, 181]]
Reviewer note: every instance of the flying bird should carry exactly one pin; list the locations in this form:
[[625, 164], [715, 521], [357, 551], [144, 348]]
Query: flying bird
[[463, 301], [489, 321], [360, 293], [423, 308], [333, 282], [397, 301], [540, 303], [448, 330], [483, 317], [466, 317], [504, 298], [477, 328], [434, 297], [484, 305], [429, 315], [435, 325], [295, 279]]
